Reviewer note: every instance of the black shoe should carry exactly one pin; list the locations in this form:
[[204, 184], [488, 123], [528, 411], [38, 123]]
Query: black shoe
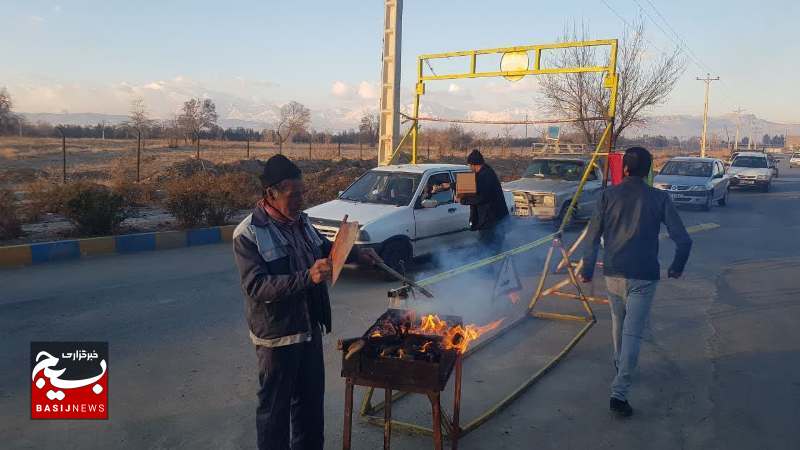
[[621, 408]]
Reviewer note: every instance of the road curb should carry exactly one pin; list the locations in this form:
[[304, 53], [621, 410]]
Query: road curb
[[44, 252]]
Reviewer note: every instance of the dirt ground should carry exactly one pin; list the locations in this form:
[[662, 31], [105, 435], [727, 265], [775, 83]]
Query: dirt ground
[[330, 169]]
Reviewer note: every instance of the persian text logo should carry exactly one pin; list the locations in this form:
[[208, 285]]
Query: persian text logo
[[69, 380]]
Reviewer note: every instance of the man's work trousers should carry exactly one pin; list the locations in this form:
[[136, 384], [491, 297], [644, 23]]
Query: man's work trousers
[[291, 396], [630, 302]]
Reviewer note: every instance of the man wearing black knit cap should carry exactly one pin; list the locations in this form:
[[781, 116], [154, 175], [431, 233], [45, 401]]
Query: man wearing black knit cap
[[629, 218], [283, 267], [488, 213]]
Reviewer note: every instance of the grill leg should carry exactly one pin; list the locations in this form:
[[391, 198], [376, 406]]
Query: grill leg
[[348, 414], [387, 419], [437, 420], [456, 405]]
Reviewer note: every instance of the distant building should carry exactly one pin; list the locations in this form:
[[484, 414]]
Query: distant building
[[792, 141]]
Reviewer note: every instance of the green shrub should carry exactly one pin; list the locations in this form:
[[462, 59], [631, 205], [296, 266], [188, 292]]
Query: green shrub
[[44, 196], [210, 199], [94, 209], [10, 226], [134, 194], [186, 199]]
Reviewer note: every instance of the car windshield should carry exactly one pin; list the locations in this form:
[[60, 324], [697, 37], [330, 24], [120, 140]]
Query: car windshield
[[385, 188], [687, 168], [757, 162], [796, 155], [555, 169]]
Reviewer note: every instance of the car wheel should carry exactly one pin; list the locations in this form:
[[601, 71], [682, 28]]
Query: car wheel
[[724, 200], [709, 202], [397, 255], [560, 217]]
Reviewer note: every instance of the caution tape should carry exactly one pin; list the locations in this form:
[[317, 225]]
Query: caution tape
[[529, 246]]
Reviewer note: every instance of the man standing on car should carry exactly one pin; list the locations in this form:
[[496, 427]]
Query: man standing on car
[[488, 211], [283, 265], [628, 218]]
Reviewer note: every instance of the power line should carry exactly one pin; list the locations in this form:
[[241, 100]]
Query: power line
[[682, 41], [631, 27], [694, 59]]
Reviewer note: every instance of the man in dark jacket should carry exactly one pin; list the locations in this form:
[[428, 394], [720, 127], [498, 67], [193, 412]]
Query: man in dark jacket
[[488, 212], [629, 218], [283, 266]]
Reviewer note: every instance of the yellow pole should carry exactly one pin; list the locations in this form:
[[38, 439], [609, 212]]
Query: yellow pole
[[420, 89]]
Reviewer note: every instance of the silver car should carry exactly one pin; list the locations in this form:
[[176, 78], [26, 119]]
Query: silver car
[[548, 185], [694, 181]]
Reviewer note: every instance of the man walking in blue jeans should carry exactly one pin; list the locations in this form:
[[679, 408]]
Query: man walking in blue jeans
[[629, 218]]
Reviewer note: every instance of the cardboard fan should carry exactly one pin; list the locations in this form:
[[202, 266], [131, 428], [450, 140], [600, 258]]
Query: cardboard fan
[[345, 238]]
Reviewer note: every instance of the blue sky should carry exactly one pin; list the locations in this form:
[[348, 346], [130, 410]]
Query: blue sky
[[83, 55]]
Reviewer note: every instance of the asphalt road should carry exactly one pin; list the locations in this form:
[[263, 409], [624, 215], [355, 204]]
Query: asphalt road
[[720, 368]]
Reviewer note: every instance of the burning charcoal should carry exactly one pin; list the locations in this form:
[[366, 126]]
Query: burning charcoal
[[389, 351]]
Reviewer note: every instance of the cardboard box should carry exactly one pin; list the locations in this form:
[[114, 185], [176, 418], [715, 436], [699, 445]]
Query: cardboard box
[[465, 183]]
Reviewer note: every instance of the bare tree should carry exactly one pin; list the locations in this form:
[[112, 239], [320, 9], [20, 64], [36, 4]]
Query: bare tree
[[197, 115], [369, 128], [6, 116], [645, 81], [294, 119], [138, 118]]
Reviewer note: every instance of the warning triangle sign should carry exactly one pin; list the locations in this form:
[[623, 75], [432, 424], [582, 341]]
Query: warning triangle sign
[[507, 281]]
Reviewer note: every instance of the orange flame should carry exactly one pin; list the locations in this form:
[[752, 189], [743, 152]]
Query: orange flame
[[431, 324], [459, 337]]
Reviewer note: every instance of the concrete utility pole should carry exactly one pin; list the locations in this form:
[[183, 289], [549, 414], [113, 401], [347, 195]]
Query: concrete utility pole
[[708, 81], [389, 124], [738, 112]]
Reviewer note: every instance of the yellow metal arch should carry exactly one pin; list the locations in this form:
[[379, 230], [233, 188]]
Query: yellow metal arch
[[610, 81]]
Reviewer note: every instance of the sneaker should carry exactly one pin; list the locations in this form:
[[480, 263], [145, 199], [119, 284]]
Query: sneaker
[[621, 407]]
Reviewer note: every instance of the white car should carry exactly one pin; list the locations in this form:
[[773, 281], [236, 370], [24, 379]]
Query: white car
[[694, 181], [400, 213], [751, 169], [794, 161]]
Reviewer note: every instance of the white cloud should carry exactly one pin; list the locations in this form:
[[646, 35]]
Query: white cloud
[[340, 89], [36, 20], [367, 90], [155, 85], [489, 115], [56, 9]]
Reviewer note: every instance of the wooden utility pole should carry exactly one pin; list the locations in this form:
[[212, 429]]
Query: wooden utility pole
[[708, 81], [63, 155], [248, 147], [138, 155]]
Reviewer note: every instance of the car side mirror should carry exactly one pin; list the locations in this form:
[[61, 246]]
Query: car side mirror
[[718, 175], [429, 203]]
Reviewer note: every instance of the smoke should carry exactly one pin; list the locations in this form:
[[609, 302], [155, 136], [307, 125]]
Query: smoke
[[474, 294]]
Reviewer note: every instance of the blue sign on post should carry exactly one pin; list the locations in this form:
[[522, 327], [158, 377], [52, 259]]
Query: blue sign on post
[[553, 132]]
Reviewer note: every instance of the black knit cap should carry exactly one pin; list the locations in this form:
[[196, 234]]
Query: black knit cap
[[277, 169], [475, 157]]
